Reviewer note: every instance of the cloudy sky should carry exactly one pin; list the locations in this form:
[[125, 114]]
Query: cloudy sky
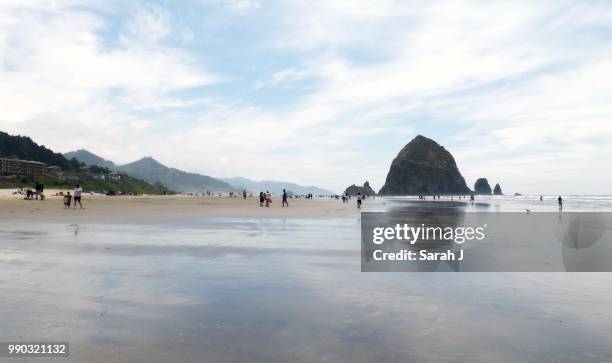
[[318, 92]]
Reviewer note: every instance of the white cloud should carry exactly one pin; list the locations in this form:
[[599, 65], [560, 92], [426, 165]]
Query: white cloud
[[149, 25], [509, 85], [537, 94], [236, 5], [58, 76]]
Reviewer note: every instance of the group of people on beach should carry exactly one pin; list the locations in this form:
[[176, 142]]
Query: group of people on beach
[[76, 198], [32, 194], [267, 198], [346, 197]]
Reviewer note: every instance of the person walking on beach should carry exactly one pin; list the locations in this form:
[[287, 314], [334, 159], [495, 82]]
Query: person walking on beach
[[77, 196], [542, 199], [261, 199], [285, 198], [244, 193], [560, 200], [268, 198], [358, 200]]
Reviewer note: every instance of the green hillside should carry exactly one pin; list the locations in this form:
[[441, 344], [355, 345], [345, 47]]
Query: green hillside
[[22, 147], [126, 184]]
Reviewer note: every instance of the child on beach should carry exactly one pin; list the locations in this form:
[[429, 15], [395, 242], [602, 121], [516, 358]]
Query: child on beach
[[67, 200]]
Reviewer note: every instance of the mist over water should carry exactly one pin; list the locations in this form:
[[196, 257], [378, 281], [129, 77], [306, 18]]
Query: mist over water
[[280, 290]]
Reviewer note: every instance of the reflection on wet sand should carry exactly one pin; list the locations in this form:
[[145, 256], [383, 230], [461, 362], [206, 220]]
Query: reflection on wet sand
[[280, 290]]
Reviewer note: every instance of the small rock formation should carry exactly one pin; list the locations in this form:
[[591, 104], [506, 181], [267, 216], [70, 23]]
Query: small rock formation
[[482, 187], [364, 190], [424, 167], [497, 190]]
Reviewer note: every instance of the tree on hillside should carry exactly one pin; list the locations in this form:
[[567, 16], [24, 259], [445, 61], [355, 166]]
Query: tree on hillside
[[22, 147]]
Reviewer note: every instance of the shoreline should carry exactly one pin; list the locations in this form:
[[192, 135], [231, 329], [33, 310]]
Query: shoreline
[[158, 208]]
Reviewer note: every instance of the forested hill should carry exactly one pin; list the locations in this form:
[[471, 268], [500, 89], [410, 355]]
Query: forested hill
[[22, 147]]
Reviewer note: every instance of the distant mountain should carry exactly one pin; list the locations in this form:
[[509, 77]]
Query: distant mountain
[[274, 186], [153, 171], [22, 147], [90, 158]]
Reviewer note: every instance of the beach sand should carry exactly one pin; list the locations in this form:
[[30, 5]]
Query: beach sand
[[101, 209]]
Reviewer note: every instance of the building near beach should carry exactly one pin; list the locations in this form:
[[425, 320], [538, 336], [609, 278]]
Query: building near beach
[[54, 170], [22, 167], [111, 176]]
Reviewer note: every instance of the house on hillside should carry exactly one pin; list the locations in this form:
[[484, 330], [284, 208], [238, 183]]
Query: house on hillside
[[112, 176], [54, 171]]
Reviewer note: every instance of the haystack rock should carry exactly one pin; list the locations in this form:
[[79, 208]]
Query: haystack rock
[[482, 187], [424, 167], [364, 190], [497, 190]]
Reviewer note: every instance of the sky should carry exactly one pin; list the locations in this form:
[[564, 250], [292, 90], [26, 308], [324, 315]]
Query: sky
[[320, 93]]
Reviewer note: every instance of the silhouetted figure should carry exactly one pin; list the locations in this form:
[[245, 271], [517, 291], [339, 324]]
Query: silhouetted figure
[[541, 199], [359, 200], [472, 198], [261, 199], [39, 190], [285, 198], [560, 201]]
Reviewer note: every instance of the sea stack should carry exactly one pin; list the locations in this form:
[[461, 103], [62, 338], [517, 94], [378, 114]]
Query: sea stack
[[482, 187], [497, 190], [424, 167], [364, 190]]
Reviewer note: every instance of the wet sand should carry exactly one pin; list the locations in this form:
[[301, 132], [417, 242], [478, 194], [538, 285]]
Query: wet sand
[[170, 279]]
